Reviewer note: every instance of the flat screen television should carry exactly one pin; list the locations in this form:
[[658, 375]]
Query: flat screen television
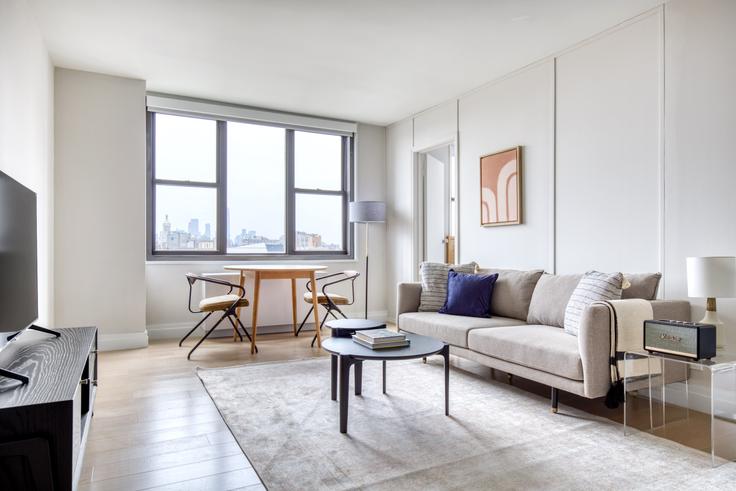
[[18, 258]]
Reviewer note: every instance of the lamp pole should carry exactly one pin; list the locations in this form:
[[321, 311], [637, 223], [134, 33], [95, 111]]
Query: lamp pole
[[367, 212], [367, 229]]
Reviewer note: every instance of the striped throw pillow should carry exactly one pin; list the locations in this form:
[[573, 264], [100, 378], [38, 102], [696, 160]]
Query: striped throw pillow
[[593, 286], [434, 283]]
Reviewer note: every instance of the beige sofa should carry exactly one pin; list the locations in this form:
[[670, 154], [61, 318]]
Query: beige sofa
[[525, 335]]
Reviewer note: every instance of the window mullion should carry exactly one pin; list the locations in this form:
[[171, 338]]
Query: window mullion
[[222, 231], [290, 195], [345, 225]]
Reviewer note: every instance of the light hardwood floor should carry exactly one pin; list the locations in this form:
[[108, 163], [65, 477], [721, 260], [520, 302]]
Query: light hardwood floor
[[155, 427]]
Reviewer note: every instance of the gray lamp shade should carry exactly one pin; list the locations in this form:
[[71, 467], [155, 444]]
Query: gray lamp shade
[[367, 211]]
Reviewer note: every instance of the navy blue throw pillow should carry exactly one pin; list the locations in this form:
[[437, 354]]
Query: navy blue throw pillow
[[469, 294]]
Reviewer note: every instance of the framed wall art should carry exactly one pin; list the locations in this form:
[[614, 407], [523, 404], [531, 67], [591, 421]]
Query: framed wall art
[[500, 188]]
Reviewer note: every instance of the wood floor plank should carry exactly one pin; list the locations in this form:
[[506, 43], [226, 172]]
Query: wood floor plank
[[100, 472], [148, 425], [97, 456], [125, 440], [220, 437], [220, 482], [171, 475]]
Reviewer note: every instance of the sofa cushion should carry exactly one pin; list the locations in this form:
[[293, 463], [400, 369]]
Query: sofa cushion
[[452, 329], [469, 294], [553, 291], [594, 286], [512, 292], [643, 285], [550, 298], [545, 348], [434, 283]]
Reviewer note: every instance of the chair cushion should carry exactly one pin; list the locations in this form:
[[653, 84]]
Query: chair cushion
[[545, 348], [221, 302], [322, 298], [550, 298], [512, 292], [452, 329]]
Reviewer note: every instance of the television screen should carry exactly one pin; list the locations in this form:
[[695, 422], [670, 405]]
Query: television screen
[[18, 257]]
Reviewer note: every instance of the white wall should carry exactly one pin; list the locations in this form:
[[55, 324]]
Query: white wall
[[608, 151], [514, 111], [100, 184], [628, 153], [435, 125], [700, 161], [26, 128], [400, 208], [166, 287]]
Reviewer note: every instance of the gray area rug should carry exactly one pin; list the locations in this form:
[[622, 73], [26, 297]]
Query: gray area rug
[[497, 436]]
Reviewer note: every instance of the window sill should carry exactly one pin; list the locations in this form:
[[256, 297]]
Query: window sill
[[220, 261]]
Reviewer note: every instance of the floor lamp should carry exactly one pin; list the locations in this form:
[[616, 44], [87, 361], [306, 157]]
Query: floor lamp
[[367, 212]]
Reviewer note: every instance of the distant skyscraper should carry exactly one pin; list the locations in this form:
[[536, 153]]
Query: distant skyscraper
[[207, 231], [194, 227]]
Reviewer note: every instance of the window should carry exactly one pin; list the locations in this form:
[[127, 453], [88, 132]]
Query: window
[[318, 196], [241, 189]]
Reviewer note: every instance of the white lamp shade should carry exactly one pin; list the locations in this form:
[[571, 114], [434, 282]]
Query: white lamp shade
[[367, 211], [711, 277]]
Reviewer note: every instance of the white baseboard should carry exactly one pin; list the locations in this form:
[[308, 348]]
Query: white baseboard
[[177, 330], [120, 341]]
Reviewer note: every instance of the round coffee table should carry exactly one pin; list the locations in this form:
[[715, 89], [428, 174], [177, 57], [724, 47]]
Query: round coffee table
[[345, 353]]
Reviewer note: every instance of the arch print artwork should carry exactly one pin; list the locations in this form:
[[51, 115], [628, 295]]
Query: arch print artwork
[[500, 188]]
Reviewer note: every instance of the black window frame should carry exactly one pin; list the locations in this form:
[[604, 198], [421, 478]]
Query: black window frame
[[220, 185]]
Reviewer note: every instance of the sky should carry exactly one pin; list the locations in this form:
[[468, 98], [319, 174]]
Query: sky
[[186, 148]]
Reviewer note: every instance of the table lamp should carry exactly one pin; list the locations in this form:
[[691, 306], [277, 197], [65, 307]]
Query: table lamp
[[711, 278], [367, 212]]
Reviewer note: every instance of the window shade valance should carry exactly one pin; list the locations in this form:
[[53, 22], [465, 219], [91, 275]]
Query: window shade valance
[[180, 105]]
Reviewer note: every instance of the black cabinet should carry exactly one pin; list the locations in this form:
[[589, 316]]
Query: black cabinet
[[44, 424]]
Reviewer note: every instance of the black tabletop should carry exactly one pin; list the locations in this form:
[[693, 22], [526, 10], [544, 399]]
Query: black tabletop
[[354, 324], [420, 346]]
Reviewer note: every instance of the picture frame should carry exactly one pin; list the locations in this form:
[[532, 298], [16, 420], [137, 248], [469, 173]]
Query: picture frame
[[500, 188]]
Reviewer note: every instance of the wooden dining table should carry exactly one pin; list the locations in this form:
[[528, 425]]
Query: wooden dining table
[[291, 272]]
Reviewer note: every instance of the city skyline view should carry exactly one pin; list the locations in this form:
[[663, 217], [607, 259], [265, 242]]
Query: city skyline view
[[246, 241]]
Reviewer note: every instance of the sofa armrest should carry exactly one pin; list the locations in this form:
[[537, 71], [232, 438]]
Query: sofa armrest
[[594, 341], [407, 298]]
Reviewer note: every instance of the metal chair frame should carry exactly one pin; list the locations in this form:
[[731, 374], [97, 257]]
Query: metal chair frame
[[331, 306], [228, 313]]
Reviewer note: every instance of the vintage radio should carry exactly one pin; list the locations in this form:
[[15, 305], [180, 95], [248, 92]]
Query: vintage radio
[[687, 339]]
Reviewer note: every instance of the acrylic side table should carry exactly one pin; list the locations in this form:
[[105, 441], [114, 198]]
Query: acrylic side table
[[691, 402]]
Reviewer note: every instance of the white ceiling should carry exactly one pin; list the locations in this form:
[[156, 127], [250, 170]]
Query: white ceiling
[[372, 61]]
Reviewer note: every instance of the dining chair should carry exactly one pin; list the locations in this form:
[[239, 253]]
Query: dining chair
[[330, 300], [227, 304]]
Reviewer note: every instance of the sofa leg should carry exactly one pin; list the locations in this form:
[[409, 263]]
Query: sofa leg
[[555, 399], [510, 378], [424, 360]]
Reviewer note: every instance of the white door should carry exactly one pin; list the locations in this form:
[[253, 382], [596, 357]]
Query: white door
[[438, 200]]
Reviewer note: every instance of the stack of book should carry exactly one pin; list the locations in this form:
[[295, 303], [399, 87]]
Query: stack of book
[[380, 339]]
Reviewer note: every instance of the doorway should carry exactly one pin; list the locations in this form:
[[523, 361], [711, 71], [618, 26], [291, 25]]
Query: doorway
[[438, 204]]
